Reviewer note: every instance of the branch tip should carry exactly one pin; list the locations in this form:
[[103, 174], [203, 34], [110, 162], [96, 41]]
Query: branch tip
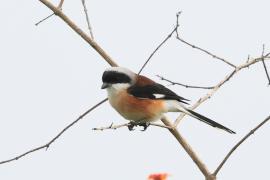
[[44, 19]]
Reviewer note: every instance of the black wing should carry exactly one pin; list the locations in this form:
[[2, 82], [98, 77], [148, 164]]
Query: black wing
[[155, 91]]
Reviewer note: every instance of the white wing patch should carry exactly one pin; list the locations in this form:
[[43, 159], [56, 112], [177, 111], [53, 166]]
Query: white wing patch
[[159, 96]]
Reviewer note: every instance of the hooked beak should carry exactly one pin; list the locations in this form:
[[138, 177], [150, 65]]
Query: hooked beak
[[105, 85]]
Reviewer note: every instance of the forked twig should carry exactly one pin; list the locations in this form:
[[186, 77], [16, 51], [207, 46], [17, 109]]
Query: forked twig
[[44, 19]]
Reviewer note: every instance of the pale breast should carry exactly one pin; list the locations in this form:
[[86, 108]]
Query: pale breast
[[136, 109]]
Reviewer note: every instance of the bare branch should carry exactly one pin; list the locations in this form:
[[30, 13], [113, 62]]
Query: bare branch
[[185, 85], [264, 66], [175, 30], [47, 145], [239, 143], [221, 83], [87, 20], [114, 127], [71, 24]]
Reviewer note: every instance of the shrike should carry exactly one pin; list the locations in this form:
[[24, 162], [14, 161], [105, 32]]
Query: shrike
[[141, 100]]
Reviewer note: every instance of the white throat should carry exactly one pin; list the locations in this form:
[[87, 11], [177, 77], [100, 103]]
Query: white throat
[[114, 89]]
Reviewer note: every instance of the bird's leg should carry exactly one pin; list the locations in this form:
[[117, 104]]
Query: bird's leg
[[144, 125], [131, 125]]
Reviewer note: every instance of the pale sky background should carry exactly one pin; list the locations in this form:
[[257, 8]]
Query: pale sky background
[[49, 76]]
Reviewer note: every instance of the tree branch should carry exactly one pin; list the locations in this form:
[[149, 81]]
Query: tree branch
[[187, 148], [114, 127], [239, 143], [221, 83], [47, 145]]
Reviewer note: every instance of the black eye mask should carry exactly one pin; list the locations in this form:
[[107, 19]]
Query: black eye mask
[[114, 77]]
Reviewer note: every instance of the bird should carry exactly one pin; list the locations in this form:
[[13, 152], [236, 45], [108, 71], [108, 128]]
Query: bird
[[141, 100]]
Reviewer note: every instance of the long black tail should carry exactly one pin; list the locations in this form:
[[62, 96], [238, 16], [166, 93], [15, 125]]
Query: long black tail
[[209, 121]]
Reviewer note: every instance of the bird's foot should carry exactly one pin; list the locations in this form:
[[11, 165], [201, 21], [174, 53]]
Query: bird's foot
[[133, 124], [144, 125]]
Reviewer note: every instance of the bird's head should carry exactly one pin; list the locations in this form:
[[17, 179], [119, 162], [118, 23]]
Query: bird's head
[[117, 78]]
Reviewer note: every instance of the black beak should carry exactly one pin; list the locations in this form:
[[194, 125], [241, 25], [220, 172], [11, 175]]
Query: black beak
[[105, 85]]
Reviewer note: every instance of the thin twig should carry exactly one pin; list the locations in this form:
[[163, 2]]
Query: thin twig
[[264, 66], [205, 51], [110, 127], [152, 54], [239, 143], [184, 85], [87, 20], [44, 19], [114, 127], [47, 145]]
